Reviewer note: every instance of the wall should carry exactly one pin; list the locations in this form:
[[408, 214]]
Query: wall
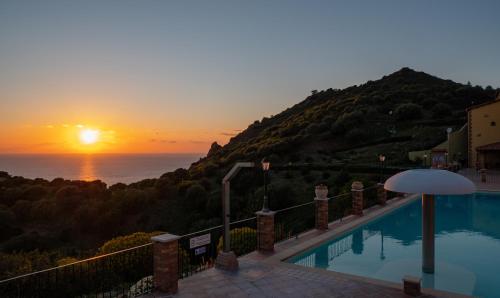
[[481, 132]]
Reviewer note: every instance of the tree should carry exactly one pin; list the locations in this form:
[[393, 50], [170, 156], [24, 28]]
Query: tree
[[408, 111]]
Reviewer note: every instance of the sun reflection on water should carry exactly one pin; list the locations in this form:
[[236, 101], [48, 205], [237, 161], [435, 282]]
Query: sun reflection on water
[[87, 171]]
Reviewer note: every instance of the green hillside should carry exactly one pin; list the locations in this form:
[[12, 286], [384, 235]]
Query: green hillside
[[404, 111]]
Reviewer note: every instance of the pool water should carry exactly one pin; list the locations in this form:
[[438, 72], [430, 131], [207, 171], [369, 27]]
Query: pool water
[[467, 246]]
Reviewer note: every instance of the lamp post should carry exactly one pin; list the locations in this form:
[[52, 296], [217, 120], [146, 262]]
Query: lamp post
[[381, 158], [265, 167], [425, 160]]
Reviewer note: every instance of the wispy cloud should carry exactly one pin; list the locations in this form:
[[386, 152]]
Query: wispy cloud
[[162, 141]]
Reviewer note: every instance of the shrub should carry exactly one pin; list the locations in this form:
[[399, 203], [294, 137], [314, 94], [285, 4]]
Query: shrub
[[128, 241], [408, 111], [441, 110], [243, 240]]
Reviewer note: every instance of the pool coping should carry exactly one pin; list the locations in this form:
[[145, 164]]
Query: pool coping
[[287, 249]]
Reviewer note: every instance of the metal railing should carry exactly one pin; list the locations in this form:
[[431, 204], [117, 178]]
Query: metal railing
[[339, 206], [125, 273], [198, 250], [491, 177], [290, 222]]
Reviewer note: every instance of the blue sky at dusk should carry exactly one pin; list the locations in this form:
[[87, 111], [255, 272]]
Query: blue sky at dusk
[[197, 71]]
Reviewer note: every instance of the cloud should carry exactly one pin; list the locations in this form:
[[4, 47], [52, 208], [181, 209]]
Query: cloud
[[162, 141], [199, 142], [231, 134]]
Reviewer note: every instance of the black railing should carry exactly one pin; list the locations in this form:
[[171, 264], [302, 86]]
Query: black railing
[[339, 206], [126, 273], [370, 196], [198, 251], [292, 221]]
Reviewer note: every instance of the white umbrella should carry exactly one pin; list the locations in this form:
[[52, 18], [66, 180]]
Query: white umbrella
[[429, 182]]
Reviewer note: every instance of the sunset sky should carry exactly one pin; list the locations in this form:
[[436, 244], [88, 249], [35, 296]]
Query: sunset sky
[[174, 76]]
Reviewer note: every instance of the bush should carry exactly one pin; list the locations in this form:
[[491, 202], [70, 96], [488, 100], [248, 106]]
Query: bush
[[243, 240], [441, 110], [128, 241], [408, 111]]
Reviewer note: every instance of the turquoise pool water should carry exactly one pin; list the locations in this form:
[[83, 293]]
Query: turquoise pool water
[[467, 246]]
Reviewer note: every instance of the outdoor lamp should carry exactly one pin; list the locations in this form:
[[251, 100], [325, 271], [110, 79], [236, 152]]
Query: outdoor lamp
[[265, 167], [429, 182]]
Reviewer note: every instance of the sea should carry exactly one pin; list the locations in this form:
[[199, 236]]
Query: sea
[[109, 168]]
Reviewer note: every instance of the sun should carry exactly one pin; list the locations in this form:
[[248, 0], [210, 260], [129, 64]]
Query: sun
[[89, 136]]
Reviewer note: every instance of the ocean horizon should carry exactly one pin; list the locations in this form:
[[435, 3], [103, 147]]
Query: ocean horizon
[[109, 168]]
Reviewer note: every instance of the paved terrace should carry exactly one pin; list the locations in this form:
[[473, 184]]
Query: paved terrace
[[266, 275]]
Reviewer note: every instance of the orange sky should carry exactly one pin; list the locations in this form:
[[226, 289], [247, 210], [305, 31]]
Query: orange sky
[[66, 138]]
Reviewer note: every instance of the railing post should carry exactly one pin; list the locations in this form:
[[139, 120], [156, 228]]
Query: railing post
[[381, 194], [165, 263], [265, 231], [321, 202], [357, 198]]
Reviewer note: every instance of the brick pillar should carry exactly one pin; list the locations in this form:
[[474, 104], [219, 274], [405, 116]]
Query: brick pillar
[[265, 231], [321, 202], [381, 194], [165, 263], [357, 198]]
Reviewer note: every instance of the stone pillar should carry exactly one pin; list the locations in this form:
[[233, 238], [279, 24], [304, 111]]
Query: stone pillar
[[357, 198], [321, 201], [411, 285], [381, 194], [265, 231], [165, 263]]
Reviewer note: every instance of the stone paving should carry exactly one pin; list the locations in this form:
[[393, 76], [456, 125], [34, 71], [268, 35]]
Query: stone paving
[[257, 279]]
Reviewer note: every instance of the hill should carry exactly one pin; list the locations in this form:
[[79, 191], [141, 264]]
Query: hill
[[406, 110]]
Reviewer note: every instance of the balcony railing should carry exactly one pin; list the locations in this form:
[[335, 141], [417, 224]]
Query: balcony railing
[[126, 273], [198, 251]]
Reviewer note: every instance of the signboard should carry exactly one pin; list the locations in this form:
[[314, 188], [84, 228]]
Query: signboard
[[200, 250], [199, 241]]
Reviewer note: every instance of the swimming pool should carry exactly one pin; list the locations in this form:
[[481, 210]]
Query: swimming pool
[[467, 246]]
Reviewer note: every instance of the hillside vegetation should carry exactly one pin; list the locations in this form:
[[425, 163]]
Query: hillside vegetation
[[43, 222]]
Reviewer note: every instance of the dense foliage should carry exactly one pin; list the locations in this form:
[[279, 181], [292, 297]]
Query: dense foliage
[[44, 223]]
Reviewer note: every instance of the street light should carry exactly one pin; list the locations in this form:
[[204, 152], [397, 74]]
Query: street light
[[265, 167], [425, 160], [381, 158]]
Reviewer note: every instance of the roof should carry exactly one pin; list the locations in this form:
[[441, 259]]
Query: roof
[[497, 100], [489, 147]]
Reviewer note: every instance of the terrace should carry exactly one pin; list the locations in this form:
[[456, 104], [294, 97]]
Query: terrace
[[187, 266]]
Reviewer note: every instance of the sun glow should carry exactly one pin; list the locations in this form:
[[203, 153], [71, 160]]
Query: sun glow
[[89, 136]]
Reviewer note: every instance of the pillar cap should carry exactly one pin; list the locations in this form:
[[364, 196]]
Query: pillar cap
[[357, 186], [165, 238], [265, 213]]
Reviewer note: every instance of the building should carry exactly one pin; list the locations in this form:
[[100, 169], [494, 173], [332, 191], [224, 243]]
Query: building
[[484, 135], [475, 145]]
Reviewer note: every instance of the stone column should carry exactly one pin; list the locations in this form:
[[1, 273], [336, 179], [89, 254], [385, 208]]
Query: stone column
[[357, 198], [381, 194], [321, 201], [265, 231], [165, 263]]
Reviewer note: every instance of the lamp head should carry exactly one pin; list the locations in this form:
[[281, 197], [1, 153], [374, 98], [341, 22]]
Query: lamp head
[[265, 164]]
